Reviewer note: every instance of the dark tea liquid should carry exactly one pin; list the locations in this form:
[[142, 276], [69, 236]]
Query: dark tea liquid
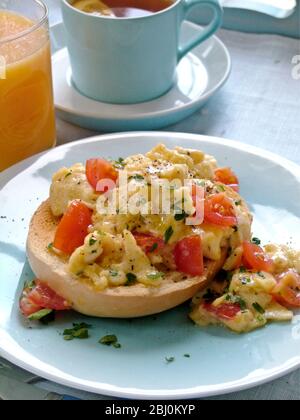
[[122, 8]]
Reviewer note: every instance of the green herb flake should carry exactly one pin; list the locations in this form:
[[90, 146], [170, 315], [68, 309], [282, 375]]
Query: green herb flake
[[113, 273], [110, 340], [170, 359], [155, 276], [238, 203], [137, 177], [37, 316], [119, 163], [92, 241], [180, 216], [256, 241], [245, 280], [243, 270], [79, 331], [131, 278], [154, 247], [221, 188], [168, 234], [187, 355], [242, 303], [258, 308], [50, 246]]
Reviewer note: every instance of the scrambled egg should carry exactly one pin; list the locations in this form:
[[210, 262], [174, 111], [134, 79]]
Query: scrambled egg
[[70, 184], [284, 257], [110, 255], [248, 291]]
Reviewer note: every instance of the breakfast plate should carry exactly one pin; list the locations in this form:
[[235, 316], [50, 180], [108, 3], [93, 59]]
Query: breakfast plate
[[163, 356], [199, 76]]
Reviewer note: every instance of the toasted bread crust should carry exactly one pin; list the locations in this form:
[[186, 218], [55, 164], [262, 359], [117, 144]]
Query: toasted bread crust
[[116, 302]]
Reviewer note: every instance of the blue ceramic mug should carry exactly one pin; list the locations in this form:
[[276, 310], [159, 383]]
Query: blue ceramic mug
[[130, 60]]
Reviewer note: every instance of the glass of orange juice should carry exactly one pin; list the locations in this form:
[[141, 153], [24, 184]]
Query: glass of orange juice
[[27, 119]]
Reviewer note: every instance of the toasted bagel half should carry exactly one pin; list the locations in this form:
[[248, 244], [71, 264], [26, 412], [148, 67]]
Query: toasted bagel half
[[117, 302]]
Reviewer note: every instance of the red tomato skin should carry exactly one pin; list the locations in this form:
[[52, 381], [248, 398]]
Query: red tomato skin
[[219, 210], [226, 311], [98, 170], [27, 307], [287, 291], [45, 297], [254, 258], [228, 177], [147, 242], [188, 255], [73, 228]]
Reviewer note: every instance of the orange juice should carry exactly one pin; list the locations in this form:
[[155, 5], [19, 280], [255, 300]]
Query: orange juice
[[27, 122]]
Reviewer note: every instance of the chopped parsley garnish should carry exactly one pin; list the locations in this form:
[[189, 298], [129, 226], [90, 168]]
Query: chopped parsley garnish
[[187, 355], [237, 300], [168, 234], [113, 273], [238, 203], [260, 274], [30, 284], [180, 216], [50, 246], [245, 280], [169, 359], [155, 276], [241, 302], [258, 308], [256, 241], [110, 340], [37, 316], [131, 278], [154, 247], [119, 164], [92, 241], [79, 331], [221, 188], [137, 177], [243, 269]]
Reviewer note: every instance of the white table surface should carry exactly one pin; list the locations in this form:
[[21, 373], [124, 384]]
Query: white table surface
[[259, 105]]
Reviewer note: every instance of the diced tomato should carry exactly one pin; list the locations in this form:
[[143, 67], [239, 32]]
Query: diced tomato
[[98, 170], [219, 210], [255, 258], [149, 243], [73, 227], [188, 255], [226, 311], [27, 307], [45, 297], [227, 177], [287, 291], [41, 297]]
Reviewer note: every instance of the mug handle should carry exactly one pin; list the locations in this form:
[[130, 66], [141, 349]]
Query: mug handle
[[208, 31]]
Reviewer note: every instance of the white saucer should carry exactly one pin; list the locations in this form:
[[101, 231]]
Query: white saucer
[[199, 75]]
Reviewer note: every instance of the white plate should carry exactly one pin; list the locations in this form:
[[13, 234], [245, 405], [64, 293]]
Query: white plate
[[220, 361], [199, 76]]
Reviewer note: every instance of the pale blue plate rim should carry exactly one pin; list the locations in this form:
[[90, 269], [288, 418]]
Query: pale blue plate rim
[[259, 377]]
